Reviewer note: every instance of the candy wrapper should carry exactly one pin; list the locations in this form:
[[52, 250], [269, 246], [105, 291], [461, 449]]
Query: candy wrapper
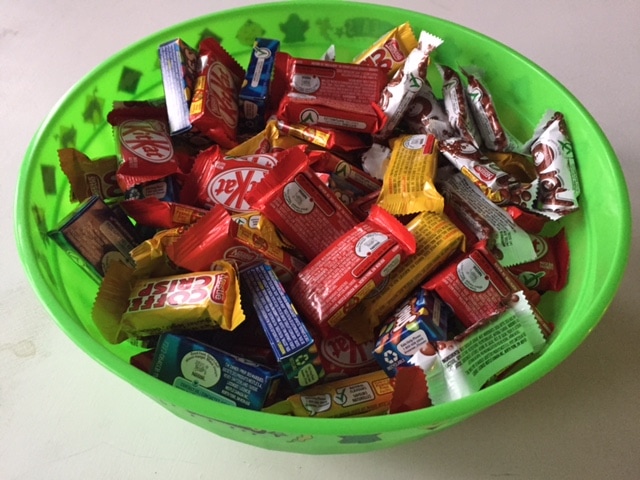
[[315, 92], [465, 364], [422, 319], [509, 242], [218, 237], [254, 93], [457, 107], [494, 135], [554, 159], [95, 236], [399, 93], [408, 185], [550, 270], [129, 307], [304, 209], [475, 286], [90, 177], [364, 395], [179, 66], [352, 267], [390, 51], [214, 107], [290, 340], [213, 373]]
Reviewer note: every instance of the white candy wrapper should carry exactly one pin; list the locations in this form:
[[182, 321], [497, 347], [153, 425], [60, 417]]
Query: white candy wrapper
[[464, 365], [406, 83]]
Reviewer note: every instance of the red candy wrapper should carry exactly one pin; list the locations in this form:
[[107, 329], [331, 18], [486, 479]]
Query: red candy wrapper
[[214, 107], [152, 212], [219, 180], [145, 152], [351, 268], [305, 210], [475, 286], [329, 94], [549, 271], [342, 357], [218, 237], [409, 390]]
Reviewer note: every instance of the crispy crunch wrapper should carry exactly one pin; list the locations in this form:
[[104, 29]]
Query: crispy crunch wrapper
[[127, 306], [363, 395], [408, 184]]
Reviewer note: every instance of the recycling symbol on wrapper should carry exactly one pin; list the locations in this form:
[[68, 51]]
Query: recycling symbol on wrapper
[[390, 357]]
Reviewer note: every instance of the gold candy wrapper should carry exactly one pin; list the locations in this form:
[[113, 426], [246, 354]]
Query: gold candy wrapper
[[270, 139], [391, 50], [127, 306], [408, 184], [364, 395], [437, 238], [517, 165], [150, 256]]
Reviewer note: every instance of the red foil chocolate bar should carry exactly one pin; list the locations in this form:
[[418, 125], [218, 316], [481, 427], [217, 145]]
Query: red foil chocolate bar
[[351, 268], [329, 94]]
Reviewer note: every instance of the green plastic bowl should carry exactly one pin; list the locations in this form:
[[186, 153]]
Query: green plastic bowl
[[599, 234]]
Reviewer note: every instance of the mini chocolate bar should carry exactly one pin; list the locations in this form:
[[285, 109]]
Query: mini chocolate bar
[[421, 319], [351, 268], [179, 67], [90, 177], [95, 235], [304, 209], [408, 186], [293, 345], [329, 94], [213, 373], [130, 307], [254, 93], [390, 51], [214, 107], [364, 395]]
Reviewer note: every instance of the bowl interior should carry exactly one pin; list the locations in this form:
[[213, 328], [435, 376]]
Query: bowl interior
[[598, 234]]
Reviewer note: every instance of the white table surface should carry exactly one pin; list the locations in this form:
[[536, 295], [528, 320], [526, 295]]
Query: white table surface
[[62, 416]]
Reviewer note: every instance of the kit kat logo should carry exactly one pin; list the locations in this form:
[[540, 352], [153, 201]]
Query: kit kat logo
[[147, 139], [340, 350], [230, 187], [221, 101]]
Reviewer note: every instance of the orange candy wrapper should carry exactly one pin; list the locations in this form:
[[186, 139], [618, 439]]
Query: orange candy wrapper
[[130, 307]]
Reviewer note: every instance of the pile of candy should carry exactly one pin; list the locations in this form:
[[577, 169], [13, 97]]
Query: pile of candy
[[318, 238]]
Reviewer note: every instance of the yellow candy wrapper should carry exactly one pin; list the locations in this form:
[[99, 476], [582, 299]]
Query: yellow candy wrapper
[[130, 307], [408, 183], [362, 395], [391, 50]]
